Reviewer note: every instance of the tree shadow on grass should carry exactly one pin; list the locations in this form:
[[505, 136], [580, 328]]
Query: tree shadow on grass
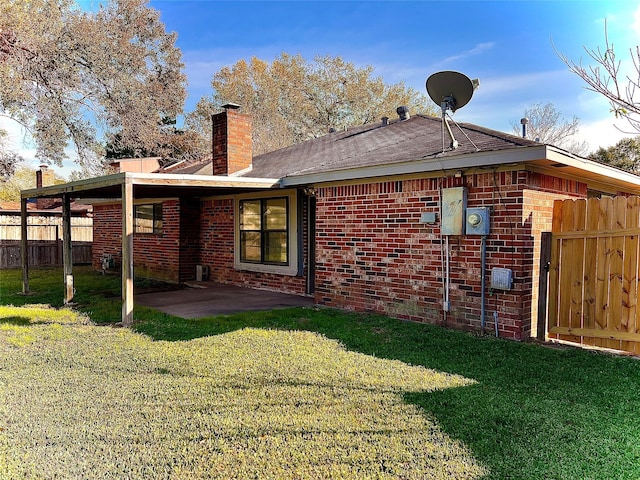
[[15, 320]]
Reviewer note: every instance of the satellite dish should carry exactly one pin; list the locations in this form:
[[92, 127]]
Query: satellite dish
[[450, 90]]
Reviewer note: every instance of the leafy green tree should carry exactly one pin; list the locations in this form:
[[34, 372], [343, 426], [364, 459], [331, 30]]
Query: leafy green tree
[[546, 125], [292, 100], [624, 155], [173, 143], [68, 76], [22, 178]]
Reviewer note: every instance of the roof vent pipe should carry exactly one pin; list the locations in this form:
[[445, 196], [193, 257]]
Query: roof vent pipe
[[403, 112], [385, 121], [524, 121]]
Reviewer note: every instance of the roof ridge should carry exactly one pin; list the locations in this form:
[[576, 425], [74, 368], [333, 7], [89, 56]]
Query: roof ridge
[[523, 142]]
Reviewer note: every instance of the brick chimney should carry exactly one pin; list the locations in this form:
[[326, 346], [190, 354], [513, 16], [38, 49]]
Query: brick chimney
[[44, 178], [231, 141]]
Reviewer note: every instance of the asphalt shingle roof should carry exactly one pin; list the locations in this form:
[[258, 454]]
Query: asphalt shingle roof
[[417, 138]]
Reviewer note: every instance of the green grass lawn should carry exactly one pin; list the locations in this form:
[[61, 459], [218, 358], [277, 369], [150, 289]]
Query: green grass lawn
[[295, 393]]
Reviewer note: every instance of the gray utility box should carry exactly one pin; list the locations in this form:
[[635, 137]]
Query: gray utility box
[[477, 221], [501, 278], [202, 273], [454, 204]]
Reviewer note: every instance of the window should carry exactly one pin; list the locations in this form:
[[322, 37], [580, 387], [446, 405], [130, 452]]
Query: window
[[148, 218], [264, 231]]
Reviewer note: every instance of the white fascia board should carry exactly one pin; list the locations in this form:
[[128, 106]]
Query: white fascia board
[[423, 165], [151, 179], [534, 154], [606, 171], [202, 180], [77, 186]]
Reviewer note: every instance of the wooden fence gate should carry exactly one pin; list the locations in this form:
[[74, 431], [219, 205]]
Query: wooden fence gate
[[594, 272]]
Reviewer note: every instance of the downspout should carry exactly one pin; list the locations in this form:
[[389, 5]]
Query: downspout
[[311, 242]]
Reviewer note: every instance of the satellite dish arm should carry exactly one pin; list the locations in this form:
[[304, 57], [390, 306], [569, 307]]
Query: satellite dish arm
[[448, 103], [454, 142]]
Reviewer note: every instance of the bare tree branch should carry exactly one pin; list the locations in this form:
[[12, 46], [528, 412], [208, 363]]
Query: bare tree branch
[[547, 126], [605, 79]]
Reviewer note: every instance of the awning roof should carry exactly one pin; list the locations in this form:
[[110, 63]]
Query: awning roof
[[152, 185]]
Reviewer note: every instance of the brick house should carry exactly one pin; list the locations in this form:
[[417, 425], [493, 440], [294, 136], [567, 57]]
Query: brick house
[[385, 217]]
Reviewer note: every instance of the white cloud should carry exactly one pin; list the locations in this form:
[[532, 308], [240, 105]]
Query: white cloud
[[476, 50], [524, 82], [635, 25], [603, 133]]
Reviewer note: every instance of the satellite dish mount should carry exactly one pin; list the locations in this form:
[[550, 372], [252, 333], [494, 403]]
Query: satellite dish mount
[[450, 90]]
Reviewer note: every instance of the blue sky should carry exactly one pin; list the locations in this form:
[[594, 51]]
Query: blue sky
[[507, 45]]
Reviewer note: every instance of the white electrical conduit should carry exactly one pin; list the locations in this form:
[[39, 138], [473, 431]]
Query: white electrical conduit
[[445, 276]]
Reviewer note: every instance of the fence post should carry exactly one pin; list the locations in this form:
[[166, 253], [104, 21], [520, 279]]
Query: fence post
[[543, 285], [60, 247]]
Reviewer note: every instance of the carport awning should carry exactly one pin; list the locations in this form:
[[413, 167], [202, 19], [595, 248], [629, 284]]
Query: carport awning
[[128, 186], [152, 185]]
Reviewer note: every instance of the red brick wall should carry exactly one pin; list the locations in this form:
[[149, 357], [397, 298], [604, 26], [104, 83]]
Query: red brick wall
[[107, 233], [217, 245], [189, 238], [372, 251], [373, 254], [232, 143], [193, 233], [155, 255]]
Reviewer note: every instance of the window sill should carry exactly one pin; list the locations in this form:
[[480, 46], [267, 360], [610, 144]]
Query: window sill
[[261, 268]]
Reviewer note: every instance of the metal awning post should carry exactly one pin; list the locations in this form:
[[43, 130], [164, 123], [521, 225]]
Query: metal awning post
[[24, 245], [127, 252]]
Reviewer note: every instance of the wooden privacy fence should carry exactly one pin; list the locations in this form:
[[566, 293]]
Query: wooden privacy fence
[[43, 253], [44, 242], [46, 229], [593, 273]]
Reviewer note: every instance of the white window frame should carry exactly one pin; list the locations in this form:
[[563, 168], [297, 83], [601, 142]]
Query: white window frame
[[290, 269]]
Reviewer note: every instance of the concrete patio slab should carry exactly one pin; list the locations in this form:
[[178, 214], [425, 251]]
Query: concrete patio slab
[[209, 298]]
